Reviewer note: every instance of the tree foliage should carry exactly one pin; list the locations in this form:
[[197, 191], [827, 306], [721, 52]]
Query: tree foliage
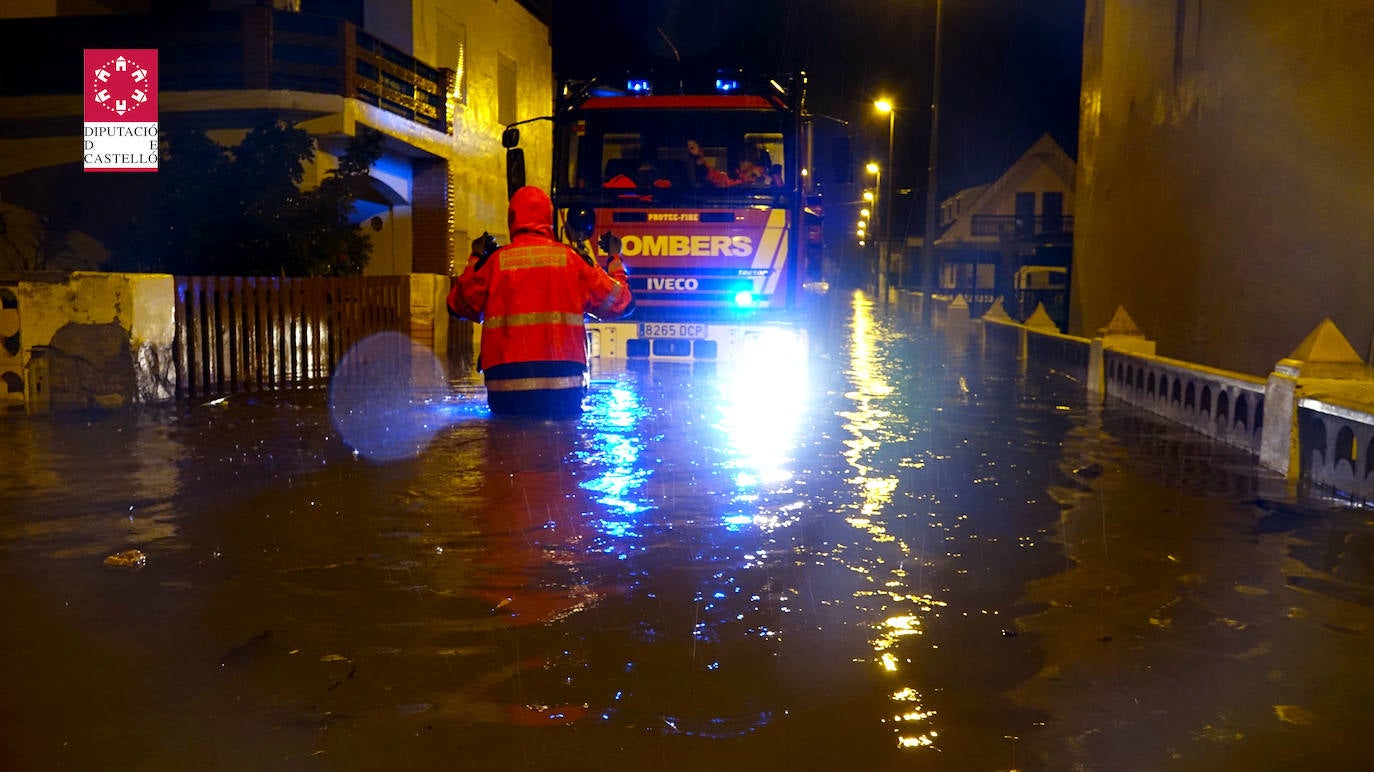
[[43, 245], [241, 211]]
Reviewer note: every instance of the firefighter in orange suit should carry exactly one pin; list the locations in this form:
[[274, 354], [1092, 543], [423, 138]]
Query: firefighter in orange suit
[[530, 297]]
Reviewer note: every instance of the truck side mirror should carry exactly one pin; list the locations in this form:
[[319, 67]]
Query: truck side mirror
[[515, 170], [510, 138]]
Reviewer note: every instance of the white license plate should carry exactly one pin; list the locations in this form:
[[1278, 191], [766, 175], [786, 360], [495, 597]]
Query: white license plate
[[671, 330]]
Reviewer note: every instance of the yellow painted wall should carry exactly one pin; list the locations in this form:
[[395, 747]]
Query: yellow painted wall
[[26, 9], [494, 28], [1223, 191], [139, 302], [142, 304]]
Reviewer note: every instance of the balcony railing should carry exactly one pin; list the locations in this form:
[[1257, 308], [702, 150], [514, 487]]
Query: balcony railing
[[250, 48], [1005, 226]]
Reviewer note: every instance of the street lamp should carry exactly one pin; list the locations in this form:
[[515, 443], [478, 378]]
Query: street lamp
[[880, 222], [928, 240], [885, 106]]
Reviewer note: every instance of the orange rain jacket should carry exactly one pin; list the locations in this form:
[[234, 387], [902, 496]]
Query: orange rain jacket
[[531, 296]]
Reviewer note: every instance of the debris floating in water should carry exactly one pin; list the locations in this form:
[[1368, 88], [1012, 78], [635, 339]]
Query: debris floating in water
[[127, 559]]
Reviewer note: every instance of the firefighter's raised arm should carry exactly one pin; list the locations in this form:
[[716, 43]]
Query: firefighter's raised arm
[[610, 246], [469, 285], [617, 301], [482, 247]]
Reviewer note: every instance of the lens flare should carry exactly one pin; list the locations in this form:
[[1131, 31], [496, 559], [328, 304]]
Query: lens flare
[[387, 399]]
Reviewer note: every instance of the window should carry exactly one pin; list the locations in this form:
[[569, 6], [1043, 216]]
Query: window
[[1052, 211], [701, 149], [1025, 213], [349, 10], [506, 108]]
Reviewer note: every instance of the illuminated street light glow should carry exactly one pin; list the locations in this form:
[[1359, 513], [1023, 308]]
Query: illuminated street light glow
[[885, 106], [880, 279]]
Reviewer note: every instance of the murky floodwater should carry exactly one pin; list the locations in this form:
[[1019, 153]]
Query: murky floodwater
[[900, 555]]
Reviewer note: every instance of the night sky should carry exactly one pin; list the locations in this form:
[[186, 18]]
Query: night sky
[[1010, 70]]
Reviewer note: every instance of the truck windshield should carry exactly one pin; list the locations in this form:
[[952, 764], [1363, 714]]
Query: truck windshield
[[702, 149]]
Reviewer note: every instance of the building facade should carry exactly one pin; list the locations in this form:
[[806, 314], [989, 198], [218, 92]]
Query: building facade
[[1011, 239], [438, 78], [1223, 175]]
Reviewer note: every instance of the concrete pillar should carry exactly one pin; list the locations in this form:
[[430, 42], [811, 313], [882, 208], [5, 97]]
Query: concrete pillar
[[956, 316], [1279, 438], [98, 339], [1326, 362], [428, 312], [996, 312], [1040, 320], [1097, 379], [1120, 334]]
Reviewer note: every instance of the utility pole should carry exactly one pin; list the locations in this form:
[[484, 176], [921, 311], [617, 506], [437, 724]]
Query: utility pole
[[928, 277]]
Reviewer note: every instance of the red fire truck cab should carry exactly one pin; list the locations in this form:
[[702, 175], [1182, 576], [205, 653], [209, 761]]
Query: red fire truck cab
[[708, 185]]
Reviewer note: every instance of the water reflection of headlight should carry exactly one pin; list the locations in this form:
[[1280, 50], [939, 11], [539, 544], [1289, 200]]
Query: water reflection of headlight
[[762, 400]]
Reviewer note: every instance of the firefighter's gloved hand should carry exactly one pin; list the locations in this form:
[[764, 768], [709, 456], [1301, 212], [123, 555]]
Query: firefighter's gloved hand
[[609, 243], [484, 245]]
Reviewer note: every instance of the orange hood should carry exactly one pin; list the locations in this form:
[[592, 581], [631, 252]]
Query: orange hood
[[530, 213]]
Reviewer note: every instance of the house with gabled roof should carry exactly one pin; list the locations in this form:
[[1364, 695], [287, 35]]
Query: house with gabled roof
[[1006, 239]]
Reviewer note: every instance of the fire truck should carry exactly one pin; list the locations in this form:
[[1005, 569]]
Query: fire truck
[[709, 185]]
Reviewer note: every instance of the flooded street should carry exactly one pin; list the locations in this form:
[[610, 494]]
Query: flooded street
[[900, 554]]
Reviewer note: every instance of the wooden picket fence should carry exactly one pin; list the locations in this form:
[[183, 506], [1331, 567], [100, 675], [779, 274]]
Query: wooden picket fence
[[246, 333]]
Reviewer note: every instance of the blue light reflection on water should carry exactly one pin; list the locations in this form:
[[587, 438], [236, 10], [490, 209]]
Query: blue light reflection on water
[[613, 412], [689, 475], [754, 406]]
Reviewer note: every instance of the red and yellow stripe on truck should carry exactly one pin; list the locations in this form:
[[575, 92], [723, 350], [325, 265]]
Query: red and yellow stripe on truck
[[703, 258]]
